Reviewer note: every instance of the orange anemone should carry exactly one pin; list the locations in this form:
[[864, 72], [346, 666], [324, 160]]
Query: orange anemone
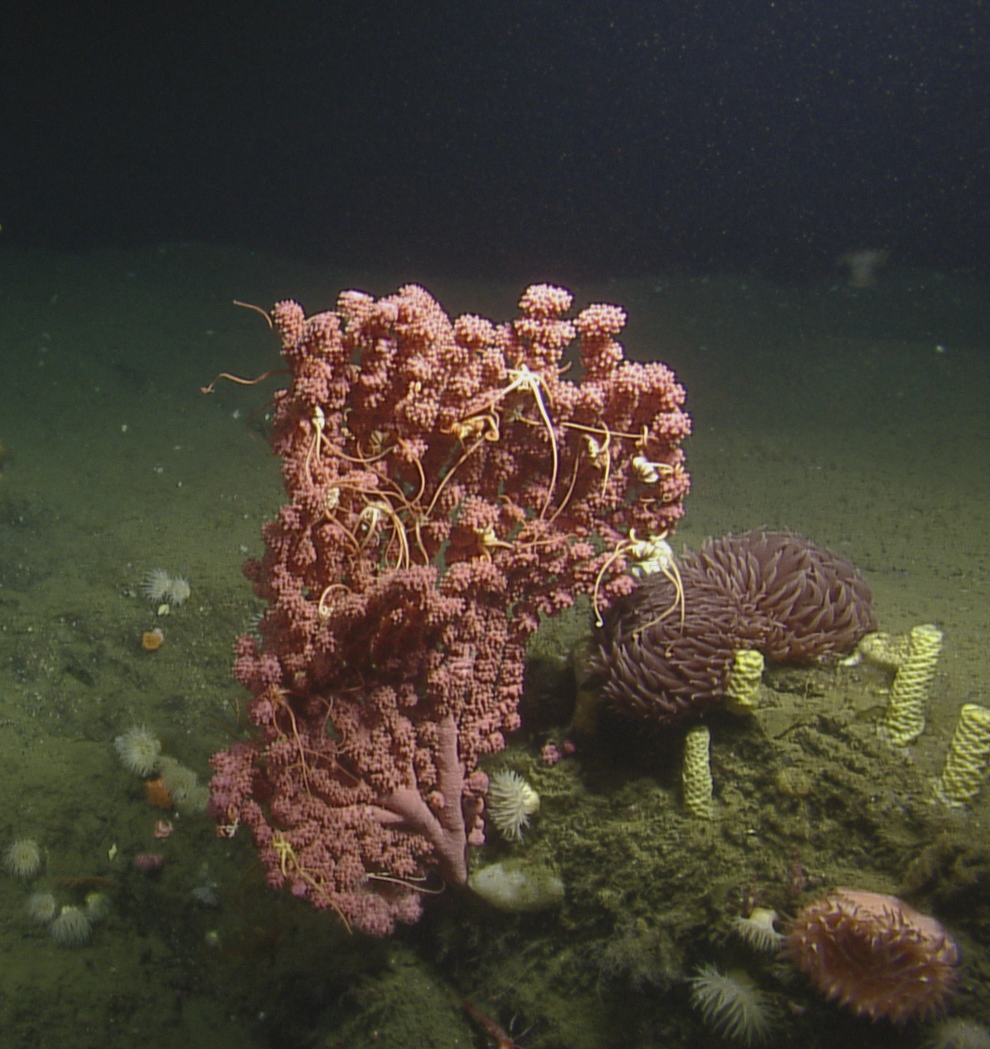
[[152, 640], [157, 793]]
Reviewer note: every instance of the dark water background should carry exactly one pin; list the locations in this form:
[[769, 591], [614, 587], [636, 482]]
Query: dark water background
[[545, 139]]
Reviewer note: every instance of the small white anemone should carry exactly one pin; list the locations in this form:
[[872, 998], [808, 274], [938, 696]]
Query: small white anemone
[[731, 1005], [71, 928], [98, 906], [23, 858], [42, 907], [510, 803], [178, 591], [138, 749], [161, 588], [758, 930], [155, 585], [183, 785], [958, 1034]]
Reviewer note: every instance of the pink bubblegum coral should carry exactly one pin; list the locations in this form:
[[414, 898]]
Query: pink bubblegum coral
[[447, 486]]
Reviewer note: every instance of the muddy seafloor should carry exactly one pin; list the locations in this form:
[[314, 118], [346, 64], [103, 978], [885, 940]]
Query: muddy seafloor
[[855, 417]]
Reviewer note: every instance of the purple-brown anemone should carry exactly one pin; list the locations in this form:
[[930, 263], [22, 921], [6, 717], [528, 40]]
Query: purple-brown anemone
[[775, 592]]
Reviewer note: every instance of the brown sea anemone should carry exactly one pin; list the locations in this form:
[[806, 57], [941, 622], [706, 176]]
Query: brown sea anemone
[[874, 954], [665, 657]]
